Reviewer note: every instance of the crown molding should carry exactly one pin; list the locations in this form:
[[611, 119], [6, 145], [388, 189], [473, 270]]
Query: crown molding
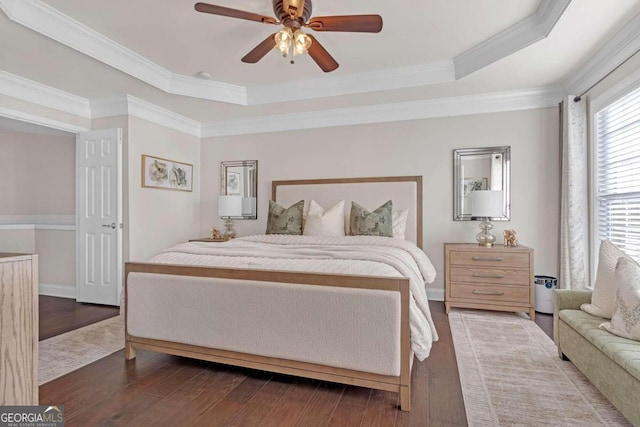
[[130, 105], [335, 85], [41, 120], [424, 109], [47, 96], [520, 35], [48, 21], [615, 51]]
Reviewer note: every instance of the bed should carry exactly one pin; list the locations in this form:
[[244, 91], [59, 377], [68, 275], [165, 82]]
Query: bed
[[351, 310]]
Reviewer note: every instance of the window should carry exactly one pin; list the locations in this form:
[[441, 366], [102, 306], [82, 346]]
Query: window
[[617, 173]]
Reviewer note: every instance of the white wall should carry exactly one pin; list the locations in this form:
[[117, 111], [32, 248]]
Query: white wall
[[160, 218], [420, 147], [38, 187]]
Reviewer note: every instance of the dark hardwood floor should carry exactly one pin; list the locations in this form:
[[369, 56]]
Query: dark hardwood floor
[[60, 315], [163, 390]]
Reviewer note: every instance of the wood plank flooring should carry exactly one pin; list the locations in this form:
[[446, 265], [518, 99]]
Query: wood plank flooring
[[60, 315], [163, 390]]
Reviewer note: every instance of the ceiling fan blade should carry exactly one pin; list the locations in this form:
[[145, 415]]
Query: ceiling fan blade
[[233, 13], [261, 50], [351, 23], [321, 56]]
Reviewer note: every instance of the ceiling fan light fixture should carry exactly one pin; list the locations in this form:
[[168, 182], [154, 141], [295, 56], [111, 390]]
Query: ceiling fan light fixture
[[283, 39], [302, 42]]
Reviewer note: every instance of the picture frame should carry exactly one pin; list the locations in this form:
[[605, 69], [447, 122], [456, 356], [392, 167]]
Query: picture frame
[[233, 183], [166, 174], [473, 184]]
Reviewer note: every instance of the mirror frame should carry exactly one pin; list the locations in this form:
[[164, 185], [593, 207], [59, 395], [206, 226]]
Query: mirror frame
[[458, 156], [253, 188]]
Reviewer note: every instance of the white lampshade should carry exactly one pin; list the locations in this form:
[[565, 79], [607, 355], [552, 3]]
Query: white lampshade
[[229, 206], [486, 203]]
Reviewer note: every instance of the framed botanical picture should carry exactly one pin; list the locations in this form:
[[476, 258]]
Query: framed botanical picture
[[166, 174], [473, 184], [233, 183]]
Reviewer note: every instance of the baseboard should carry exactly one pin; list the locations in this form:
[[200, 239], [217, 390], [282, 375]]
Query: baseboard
[[53, 290], [435, 294]]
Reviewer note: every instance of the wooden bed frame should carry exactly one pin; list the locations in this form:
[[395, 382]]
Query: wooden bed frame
[[400, 383]]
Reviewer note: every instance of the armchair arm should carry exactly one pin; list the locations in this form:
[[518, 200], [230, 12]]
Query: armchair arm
[[570, 299], [567, 299]]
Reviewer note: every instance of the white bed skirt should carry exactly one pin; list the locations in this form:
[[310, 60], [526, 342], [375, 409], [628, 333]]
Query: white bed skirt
[[349, 328]]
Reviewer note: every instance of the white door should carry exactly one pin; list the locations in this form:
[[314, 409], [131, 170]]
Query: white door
[[99, 216]]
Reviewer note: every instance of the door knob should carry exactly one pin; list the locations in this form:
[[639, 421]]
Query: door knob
[[112, 225]]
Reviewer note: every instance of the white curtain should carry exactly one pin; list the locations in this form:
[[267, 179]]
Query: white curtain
[[574, 210]]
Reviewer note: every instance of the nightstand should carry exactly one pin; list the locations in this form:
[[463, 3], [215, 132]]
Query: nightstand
[[497, 278], [206, 239]]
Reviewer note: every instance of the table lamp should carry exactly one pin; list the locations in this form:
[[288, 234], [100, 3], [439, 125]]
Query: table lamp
[[229, 207], [486, 204]]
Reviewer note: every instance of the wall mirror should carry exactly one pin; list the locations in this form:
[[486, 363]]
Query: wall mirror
[[239, 179], [481, 169]]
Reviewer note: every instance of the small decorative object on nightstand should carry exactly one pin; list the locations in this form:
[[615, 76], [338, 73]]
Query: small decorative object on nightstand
[[496, 278], [510, 239], [215, 234]]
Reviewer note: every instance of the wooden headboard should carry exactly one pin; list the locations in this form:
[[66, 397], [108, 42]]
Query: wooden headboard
[[370, 192]]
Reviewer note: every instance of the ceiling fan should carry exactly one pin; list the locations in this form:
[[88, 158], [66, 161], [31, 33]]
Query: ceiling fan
[[294, 15]]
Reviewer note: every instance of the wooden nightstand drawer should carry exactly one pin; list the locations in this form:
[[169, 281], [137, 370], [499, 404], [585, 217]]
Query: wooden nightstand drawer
[[493, 293], [502, 259], [490, 275], [496, 278]]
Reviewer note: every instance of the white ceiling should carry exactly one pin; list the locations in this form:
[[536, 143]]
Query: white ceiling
[[416, 33]]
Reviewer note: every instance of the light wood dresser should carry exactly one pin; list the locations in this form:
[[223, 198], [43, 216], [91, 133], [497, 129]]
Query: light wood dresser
[[18, 329], [497, 278]]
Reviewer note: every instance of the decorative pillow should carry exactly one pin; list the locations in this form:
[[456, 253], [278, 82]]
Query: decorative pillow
[[399, 223], [376, 223], [625, 321], [324, 223], [604, 296], [285, 221]]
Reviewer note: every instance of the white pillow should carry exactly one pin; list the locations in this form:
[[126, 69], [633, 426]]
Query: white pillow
[[625, 321], [324, 223], [399, 223], [603, 297]]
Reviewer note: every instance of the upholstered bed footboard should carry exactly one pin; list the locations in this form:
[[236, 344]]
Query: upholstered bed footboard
[[349, 329]]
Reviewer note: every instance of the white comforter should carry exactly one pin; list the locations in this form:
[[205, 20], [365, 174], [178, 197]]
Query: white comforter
[[362, 255]]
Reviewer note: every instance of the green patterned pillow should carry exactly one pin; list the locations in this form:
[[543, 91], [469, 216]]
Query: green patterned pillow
[[285, 221], [376, 223]]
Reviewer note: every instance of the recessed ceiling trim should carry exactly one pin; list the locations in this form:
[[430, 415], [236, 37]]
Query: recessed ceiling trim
[[130, 105], [520, 35], [334, 85], [48, 21], [37, 93], [40, 120], [425, 109], [616, 50], [121, 105]]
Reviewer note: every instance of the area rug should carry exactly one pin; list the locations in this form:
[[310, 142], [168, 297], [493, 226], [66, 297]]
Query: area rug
[[65, 353], [511, 375]]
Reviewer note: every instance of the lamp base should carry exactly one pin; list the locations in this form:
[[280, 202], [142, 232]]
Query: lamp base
[[485, 237], [229, 232]]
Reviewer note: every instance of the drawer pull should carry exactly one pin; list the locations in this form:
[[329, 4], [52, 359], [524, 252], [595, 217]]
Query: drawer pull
[[477, 292], [489, 275], [485, 258]]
